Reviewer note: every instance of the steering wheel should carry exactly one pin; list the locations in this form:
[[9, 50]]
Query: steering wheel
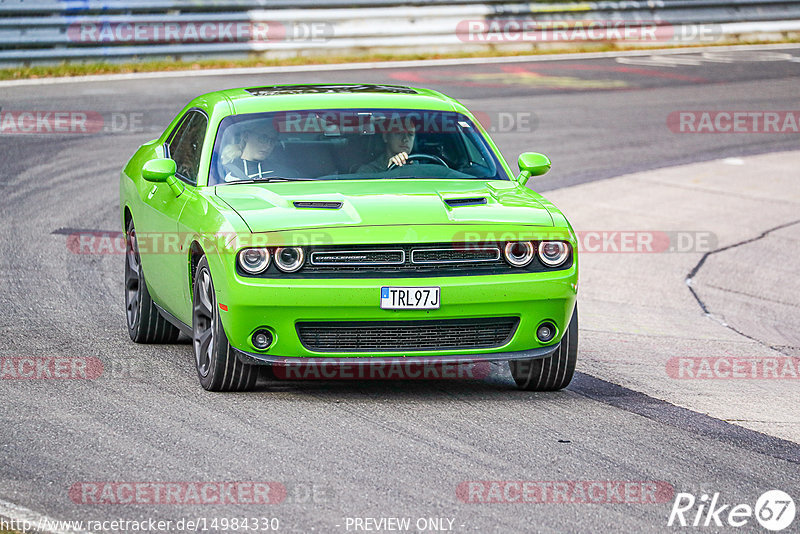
[[424, 157]]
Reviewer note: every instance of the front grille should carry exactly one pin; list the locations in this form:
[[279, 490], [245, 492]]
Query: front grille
[[390, 336], [358, 257], [427, 259], [454, 255], [400, 260]]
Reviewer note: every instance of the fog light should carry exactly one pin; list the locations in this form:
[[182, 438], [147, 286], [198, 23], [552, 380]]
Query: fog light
[[546, 332], [262, 339]]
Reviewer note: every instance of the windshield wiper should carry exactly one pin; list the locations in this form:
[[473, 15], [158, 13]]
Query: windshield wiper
[[430, 178], [269, 179]]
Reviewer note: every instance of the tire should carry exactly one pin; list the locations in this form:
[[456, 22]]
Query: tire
[[145, 323], [218, 368], [555, 372]]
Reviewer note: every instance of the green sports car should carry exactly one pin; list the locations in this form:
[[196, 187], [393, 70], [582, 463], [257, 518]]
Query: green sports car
[[349, 225]]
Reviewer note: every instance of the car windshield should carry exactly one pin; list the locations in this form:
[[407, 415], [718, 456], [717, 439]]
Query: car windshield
[[351, 144]]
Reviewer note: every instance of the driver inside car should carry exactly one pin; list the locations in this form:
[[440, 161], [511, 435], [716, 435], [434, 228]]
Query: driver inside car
[[253, 156], [398, 146]]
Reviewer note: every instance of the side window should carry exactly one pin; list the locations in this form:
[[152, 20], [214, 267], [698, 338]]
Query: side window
[[186, 145]]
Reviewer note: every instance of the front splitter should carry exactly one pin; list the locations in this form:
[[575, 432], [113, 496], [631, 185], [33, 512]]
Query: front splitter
[[266, 359]]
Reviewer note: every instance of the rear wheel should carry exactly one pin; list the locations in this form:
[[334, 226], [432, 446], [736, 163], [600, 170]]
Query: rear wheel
[[555, 372], [218, 368], [145, 324]]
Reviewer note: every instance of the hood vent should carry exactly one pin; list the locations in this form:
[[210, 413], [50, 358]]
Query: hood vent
[[453, 202], [319, 205], [298, 89]]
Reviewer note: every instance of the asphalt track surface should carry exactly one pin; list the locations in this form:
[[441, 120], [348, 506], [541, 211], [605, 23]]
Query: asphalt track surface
[[356, 449]]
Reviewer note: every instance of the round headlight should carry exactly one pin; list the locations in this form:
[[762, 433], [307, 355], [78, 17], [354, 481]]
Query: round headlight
[[553, 253], [254, 260], [519, 253], [289, 259]]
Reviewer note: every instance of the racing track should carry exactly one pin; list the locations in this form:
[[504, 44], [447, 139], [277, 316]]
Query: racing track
[[378, 449]]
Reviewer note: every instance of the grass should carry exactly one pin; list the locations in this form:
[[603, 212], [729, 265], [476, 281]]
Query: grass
[[84, 69], [5, 522]]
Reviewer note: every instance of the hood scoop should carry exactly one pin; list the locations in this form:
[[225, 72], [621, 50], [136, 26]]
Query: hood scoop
[[318, 205], [472, 201]]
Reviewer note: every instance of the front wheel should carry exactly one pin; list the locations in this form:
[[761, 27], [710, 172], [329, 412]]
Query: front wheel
[[145, 323], [218, 368], [555, 372]]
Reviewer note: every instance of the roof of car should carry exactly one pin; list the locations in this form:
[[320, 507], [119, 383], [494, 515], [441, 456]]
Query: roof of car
[[311, 96]]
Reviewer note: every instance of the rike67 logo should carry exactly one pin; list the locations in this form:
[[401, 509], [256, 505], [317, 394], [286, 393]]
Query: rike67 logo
[[774, 510]]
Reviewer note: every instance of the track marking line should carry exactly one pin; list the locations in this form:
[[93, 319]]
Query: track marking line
[[386, 65]]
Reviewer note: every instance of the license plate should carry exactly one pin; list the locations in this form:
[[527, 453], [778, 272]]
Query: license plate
[[410, 298]]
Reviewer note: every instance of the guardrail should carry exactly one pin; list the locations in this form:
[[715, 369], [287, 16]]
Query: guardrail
[[47, 31]]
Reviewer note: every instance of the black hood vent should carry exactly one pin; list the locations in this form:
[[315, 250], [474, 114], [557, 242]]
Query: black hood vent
[[475, 201], [319, 205], [298, 89]]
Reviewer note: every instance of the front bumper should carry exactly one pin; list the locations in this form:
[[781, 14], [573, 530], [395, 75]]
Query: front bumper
[[279, 305], [456, 359]]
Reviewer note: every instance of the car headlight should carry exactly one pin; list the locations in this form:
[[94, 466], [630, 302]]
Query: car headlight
[[254, 260], [553, 253], [289, 259], [519, 253]]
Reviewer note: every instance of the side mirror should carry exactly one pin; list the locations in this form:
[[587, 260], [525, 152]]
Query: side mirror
[[158, 170], [532, 164]]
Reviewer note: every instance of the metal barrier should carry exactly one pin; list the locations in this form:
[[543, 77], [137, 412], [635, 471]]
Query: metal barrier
[[48, 31]]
